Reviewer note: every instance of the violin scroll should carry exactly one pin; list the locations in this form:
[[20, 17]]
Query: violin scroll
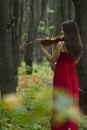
[[27, 44]]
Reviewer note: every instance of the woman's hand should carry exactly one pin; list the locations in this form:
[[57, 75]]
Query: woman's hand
[[39, 43]]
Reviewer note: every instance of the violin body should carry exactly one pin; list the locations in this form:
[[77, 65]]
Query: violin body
[[47, 41]]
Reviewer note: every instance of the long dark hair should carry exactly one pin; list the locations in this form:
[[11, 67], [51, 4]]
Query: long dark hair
[[72, 39]]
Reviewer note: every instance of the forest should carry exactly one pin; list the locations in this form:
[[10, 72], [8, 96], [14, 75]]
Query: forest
[[25, 72]]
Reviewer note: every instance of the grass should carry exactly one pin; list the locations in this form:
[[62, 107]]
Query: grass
[[34, 112], [35, 89]]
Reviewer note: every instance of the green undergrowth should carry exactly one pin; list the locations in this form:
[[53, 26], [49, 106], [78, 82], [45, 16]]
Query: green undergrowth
[[32, 108]]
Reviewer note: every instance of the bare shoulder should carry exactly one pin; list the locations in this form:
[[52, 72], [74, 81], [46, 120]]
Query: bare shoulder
[[59, 45]]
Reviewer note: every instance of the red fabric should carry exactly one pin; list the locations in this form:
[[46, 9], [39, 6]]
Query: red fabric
[[65, 76]]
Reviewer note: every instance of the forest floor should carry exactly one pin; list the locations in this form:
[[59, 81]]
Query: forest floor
[[34, 111], [37, 85], [31, 108], [41, 79]]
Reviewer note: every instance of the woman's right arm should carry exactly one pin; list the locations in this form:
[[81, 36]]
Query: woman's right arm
[[52, 58]]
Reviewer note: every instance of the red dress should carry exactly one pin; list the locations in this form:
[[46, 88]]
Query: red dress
[[65, 76]]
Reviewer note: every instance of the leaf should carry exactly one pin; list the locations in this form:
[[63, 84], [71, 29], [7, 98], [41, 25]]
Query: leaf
[[65, 108], [34, 116], [50, 10]]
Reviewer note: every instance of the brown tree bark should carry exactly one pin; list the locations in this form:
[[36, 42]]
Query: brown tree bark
[[7, 74], [81, 18]]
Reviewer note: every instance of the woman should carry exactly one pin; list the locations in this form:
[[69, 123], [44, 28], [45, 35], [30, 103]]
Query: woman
[[67, 54]]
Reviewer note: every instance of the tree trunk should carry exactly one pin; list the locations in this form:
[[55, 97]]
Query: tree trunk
[[29, 50], [15, 36], [7, 76], [81, 18]]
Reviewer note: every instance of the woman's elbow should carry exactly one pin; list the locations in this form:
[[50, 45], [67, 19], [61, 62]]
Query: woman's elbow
[[54, 61]]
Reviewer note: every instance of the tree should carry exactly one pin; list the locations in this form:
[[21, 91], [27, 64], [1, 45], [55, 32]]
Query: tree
[[32, 30], [7, 75], [17, 14], [29, 50], [81, 18]]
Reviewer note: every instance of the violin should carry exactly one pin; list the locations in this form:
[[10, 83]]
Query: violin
[[46, 41]]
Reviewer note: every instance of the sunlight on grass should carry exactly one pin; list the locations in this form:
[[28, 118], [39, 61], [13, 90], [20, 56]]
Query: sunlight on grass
[[42, 68]]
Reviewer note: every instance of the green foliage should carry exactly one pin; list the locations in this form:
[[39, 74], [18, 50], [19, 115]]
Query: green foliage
[[23, 69], [34, 112], [45, 29], [83, 123], [51, 27], [50, 10], [22, 118]]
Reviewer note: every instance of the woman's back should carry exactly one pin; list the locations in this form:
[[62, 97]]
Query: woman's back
[[65, 73]]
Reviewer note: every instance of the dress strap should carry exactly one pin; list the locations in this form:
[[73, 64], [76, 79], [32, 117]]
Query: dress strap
[[63, 45]]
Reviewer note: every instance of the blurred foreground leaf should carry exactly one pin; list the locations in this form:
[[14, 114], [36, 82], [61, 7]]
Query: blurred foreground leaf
[[36, 115], [64, 107], [11, 102]]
